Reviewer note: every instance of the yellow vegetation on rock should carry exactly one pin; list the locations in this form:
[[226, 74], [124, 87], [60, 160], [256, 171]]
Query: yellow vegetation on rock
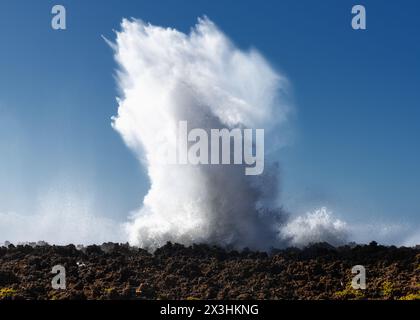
[[6, 293]]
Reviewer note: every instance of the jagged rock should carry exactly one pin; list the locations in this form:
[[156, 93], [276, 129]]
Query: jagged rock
[[118, 271]]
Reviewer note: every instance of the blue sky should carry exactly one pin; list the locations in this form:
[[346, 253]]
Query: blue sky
[[357, 93]]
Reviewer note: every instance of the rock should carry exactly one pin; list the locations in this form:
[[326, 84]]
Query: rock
[[115, 271]]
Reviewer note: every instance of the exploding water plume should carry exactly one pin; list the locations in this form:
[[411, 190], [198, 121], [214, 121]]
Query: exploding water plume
[[165, 77]]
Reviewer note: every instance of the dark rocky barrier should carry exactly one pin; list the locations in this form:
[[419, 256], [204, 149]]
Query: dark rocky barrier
[[118, 271]]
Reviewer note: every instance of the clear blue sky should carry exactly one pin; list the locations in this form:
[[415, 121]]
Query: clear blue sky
[[357, 96]]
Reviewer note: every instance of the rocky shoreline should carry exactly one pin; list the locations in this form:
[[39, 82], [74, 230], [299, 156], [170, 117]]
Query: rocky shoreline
[[118, 271]]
